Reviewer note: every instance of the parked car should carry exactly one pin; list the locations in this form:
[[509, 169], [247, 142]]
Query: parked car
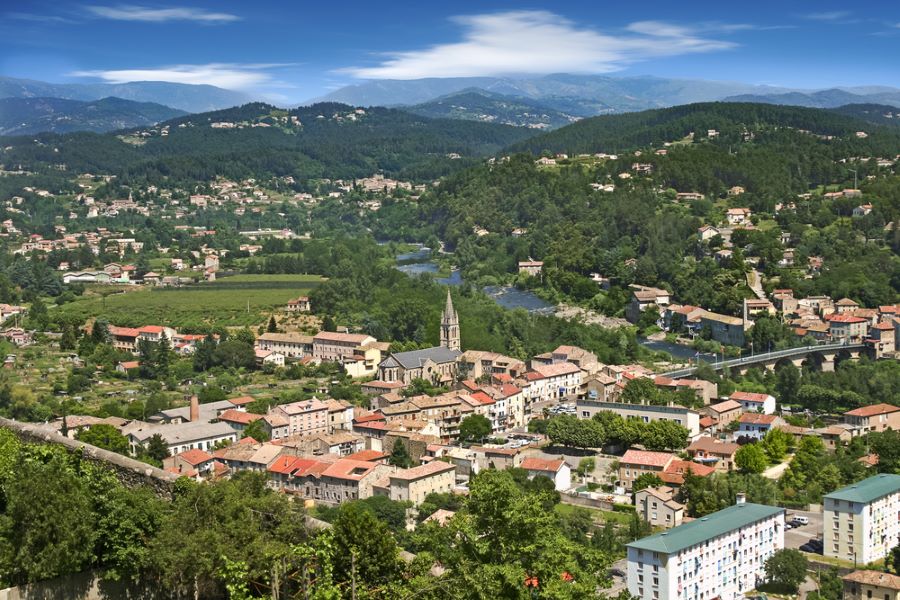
[[798, 521]]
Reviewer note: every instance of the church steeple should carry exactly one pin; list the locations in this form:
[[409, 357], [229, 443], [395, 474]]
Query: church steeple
[[450, 326]]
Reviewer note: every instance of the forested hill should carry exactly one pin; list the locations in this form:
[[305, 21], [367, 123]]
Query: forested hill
[[880, 114], [24, 116], [732, 121], [258, 140]]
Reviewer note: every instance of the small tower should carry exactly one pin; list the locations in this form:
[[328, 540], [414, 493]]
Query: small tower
[[450, 326]]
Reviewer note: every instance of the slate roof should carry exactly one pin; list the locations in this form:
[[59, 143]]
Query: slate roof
[[706, 528], [416, 358]]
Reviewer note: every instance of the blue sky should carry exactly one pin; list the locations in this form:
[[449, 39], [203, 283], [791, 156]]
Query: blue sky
[[292, 51]]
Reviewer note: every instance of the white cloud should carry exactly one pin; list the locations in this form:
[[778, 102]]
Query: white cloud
[[225, 75], [127, 12], [534, 42], [834, 15]]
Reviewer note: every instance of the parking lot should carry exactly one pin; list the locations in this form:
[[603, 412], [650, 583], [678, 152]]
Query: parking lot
[[796, 537]]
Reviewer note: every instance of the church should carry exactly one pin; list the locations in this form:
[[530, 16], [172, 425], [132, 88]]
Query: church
[[437, 365]]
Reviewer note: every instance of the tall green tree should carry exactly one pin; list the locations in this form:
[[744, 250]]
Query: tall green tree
[[751, 458], [475, 428]]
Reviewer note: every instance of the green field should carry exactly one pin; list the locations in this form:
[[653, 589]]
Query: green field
[[231, 301]]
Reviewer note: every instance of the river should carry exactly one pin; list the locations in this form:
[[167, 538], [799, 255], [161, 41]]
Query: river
[[507, 296]]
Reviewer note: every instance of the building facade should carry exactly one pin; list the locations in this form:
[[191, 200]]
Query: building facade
[[721, 555], [861, 520]]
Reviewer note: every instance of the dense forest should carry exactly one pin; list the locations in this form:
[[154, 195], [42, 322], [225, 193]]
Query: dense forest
[[331, 140]]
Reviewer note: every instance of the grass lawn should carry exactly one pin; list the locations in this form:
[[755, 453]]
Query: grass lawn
[[231, 301]]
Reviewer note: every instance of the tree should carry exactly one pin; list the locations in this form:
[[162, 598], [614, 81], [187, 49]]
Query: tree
[[474, 428], [37, 314], [892, 560], [365, 550], [586, 466], [830, 587], [157, 448], [787, 384], [646, 480], [69, 339], [104, 436], [664, 435], [787, 569], [400, 455], [235, 354], [641, 390], [272, 327], [751, 459], [775, 444], [257, 431]]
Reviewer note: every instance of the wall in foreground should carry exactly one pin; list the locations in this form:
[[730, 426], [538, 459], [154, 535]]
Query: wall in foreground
[[130, 472]]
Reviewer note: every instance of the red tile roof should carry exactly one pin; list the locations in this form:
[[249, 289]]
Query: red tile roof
[[542, 464], [749, 397], [836, 318], [646, 458], [758, 419], [368, 455], [242, 400], [195, 457], [236, 416], [482, 397], [874, 409]]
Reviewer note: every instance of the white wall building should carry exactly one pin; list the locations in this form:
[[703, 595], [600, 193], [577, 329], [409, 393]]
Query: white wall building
[[861, 520], [721, 555]]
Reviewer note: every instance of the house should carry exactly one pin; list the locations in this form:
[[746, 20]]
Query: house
[[339, 443], [757, 425], [712, 452], [333, 346], [238, 419], [599, 387], [863, 585], [759, 403], [340, 415], [277, 426], [128, 366], [190, 463], [124, 338], [326, 479], [642, 298], [862, 210], [546, 383], [583, 359], [657, 506], [847, 327], [707, 232], [692, 560], [289, 345], [635, 463], [738, 216], [306, 417], [556, 470], [860, 520], [724, 413], [876, 417], [299, 305], [724, 329], [268, 357], [845, 306], [532, 268], [882, 338], [475, 364], [674, 474], [415, 484], [704, 390], [249, 455]]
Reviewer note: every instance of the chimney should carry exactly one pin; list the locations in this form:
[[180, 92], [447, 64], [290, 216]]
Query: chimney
[[195, 408], [741, 498]]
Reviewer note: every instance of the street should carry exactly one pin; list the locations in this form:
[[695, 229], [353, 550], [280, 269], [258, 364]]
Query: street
[[794, 538]]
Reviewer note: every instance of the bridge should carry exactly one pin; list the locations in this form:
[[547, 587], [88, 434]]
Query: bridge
[[822, 356]]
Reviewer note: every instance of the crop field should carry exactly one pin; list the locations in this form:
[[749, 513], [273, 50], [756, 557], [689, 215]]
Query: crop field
[[231, 301]]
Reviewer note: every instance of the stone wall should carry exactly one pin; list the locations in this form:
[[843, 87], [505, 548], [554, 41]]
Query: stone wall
[[131, 472]]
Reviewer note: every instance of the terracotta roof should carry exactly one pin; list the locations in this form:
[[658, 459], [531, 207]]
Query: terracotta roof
[[713, 446], [237, 416], [874, 578], [242, 400], [431, 468], [749, 397], [349, 338], [368, 455], [646, 458], [707, 422], [347, 468], [758, 419], [482, 397], [542, 464], [726, 406], [874, 409], [836, 318], [195, 457], [675, 472]]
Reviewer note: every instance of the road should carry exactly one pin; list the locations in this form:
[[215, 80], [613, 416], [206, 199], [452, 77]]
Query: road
[[776, 471]]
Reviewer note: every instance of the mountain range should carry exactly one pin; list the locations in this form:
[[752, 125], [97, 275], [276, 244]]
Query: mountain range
[[830, 98], [21, 116], [475, 104], [181, 96]]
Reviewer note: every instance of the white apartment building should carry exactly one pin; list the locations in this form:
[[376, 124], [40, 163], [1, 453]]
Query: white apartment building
[[721, 555], [687, 418], [552, 382], [861, 520]]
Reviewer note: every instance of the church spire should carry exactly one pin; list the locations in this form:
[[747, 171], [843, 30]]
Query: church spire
[[450, 326]]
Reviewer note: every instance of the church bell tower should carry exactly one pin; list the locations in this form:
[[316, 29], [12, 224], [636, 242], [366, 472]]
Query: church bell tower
[[450, 326]]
